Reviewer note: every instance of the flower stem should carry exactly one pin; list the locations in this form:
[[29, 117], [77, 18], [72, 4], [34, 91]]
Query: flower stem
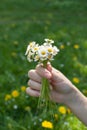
[[45, 91], [45, 94], [44, 99]]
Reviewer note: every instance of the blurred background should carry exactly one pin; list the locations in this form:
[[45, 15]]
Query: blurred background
[[23, 21]]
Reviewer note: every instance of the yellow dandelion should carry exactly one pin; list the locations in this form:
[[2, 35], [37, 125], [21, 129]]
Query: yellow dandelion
[[76, 80], [62, 110], [27, 108], [76, 46], [15, 93], [7, 97], [62, 46], [23, 88], [47, 124]]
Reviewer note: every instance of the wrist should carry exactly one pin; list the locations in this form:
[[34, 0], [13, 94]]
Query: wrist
[[78, 105], [74, 97]]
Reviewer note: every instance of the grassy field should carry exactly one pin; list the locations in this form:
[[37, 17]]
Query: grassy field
[[22, 21]]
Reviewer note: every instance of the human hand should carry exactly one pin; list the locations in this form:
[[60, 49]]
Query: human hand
[[61, 89]]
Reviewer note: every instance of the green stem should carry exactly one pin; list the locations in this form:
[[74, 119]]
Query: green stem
[[44, 99], [45, 93]]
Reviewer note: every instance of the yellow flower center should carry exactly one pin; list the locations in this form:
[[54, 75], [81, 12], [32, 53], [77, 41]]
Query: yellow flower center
[[36, 57], [36, 48], [43, 52], [31, 44], [50, 50]]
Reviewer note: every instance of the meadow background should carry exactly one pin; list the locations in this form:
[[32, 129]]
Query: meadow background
[[22, 21]]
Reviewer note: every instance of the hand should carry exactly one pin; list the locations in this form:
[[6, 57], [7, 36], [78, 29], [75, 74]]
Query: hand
[[61, 87]]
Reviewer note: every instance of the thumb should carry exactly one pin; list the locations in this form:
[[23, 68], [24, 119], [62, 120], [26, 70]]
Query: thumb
[[56, 75], [49, 67]]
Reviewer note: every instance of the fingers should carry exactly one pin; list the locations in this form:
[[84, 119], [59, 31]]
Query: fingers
[[33, 75], [40, 72], [32, 92], [34, 85], [34, 88], [50, 73], [49, 67], [43, 72]]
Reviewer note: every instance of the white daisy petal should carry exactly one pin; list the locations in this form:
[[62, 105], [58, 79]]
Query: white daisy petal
[[49, 41]]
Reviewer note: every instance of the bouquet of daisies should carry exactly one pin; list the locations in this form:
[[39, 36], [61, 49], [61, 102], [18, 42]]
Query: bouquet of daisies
[[42, 54]]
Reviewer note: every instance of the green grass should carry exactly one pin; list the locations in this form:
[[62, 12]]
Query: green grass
[[22, 21]]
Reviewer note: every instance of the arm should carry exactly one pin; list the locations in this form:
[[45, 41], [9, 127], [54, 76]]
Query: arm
[[78, 105]]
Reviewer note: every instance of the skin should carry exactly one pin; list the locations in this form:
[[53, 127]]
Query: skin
[[62, 90]]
